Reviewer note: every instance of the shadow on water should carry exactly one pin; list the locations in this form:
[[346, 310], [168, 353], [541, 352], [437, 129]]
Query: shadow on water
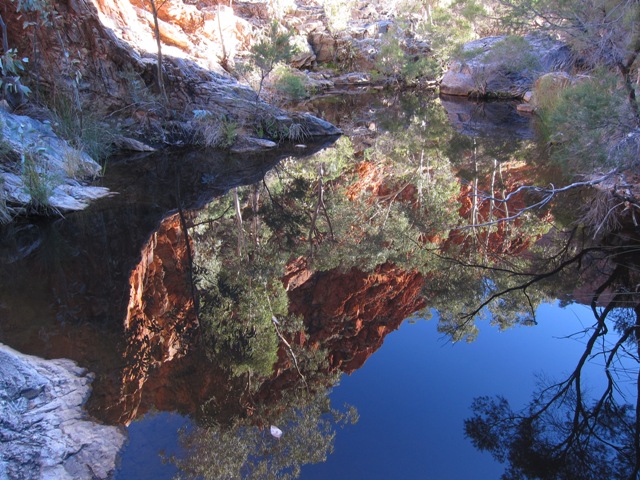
[[487, 119]]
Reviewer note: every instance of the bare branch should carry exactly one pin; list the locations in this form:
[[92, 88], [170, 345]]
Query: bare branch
[[548, 193]]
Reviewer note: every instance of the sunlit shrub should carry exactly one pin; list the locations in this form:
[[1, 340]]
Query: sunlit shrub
[[586, 121], [290, 84]]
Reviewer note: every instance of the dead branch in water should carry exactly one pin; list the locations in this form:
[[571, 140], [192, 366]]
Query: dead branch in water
[[548, 195]]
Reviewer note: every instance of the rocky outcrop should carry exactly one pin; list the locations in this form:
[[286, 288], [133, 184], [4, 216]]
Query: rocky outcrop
[[102, 57], [44, 431], [504, 67], [50, 171]]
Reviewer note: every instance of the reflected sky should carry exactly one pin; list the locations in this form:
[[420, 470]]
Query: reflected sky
[[412, 396], [414, 393]]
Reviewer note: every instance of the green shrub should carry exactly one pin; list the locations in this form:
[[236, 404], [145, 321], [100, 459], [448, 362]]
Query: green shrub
[[268, 126], [274, 48], [214, 131], [290, 84], [236, 309], [584, 121]]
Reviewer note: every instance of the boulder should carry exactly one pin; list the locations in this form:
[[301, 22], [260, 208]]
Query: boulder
[[323, 45], [304, 58], [504, 66], [45, 432], [252, 144], [355, 78]]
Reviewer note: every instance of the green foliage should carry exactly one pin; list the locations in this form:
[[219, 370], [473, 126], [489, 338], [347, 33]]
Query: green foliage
[[290, 84], [584, 120], [236, 321], [548, 90], [239, 290], [12, 69], [214, 131], [345, 57], [514, 55], [336, 159], [394, 62], [248, 452], [83, 129], [275, 47], [38, 182], [268, 126], [42, 7], [446, 30]]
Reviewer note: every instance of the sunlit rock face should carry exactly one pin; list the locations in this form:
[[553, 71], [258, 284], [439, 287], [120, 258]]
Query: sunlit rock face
[[350, 313], [102, 58]]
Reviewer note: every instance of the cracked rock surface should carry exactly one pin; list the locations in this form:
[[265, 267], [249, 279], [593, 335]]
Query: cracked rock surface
[[44, 431]]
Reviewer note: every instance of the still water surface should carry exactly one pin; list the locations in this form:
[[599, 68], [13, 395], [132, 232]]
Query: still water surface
[[360, 298], [412, 396]]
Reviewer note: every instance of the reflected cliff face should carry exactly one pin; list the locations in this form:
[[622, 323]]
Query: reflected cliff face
[[337, 248], [237, 291]]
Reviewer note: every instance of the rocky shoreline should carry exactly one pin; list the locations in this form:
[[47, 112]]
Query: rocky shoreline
[[44, 431]]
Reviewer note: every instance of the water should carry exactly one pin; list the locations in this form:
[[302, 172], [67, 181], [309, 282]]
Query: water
[[412, 396], [216, 296]]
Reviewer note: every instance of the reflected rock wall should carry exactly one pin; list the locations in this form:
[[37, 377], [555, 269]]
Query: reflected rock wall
[[350, 313], [160, 320]]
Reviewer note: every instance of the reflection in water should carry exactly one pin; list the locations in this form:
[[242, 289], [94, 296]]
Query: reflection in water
[[238, 297], [254, 453], [567, 430]]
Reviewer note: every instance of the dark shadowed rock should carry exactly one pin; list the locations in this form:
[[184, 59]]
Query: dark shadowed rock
[[505, 66]]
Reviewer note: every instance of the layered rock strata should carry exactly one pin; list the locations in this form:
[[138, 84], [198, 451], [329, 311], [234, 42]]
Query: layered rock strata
[[44, 431]]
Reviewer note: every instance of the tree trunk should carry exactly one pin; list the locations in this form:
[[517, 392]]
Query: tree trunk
[[156, 32]]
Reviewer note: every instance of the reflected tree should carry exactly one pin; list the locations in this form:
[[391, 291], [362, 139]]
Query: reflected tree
[[565, 432], [251, 452]]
